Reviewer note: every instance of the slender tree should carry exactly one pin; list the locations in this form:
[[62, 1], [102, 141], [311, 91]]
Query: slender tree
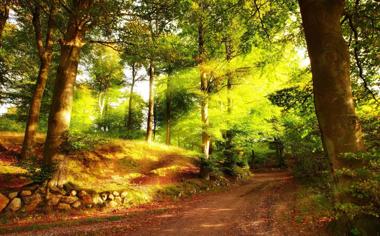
[[45, 51], [130, 100], [150, 120], [206, 138], [168, 111], [330, 65]]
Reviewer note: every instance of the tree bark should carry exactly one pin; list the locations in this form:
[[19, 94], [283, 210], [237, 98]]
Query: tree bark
[[149, 130], [330, 65], [168, 111], [60, 113], [129, 121], [45, 56], [4, 14]]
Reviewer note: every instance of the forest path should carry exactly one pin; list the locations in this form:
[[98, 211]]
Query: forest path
[[263, 205]]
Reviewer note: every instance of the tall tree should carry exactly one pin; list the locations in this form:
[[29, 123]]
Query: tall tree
[[4, 14], [157, 19], [204, 82], [82, 17], [150, 120], [134, 79], [45, 51], [71, 44], [168, 110], [330, 65], [106, 71]]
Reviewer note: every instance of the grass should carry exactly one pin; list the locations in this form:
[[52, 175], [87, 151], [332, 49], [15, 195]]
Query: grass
[[142, 169], [6, 169], [312, 204], [114, 166]]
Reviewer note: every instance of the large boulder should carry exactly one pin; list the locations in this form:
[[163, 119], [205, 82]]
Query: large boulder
[[26, 193], [35, 200], [124, 194], [15, 204], [76, 204], [104, 196], [64, 206], [112, 204], [97, 199], [69, 199], [82, 193], [53, 188], [3, 202], [73, 193], [87, 199], [12, 195], [53, 201]]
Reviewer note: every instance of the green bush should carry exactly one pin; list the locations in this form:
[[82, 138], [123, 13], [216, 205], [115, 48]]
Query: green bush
[[82, 142], [359, 195], [38, 172], [9, 123], [310, 166]]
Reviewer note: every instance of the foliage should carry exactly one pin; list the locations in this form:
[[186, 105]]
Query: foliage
[[363, 187], [9, 122], [38, 172], [82, 142]]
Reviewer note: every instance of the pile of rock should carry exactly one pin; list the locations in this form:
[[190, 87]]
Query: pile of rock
[[52, 197]]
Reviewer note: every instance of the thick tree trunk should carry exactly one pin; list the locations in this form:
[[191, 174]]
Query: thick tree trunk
[[129, 121], [45, 55], [149, 130], [330, 67], [168, 111], [4, 14], [60, 113]]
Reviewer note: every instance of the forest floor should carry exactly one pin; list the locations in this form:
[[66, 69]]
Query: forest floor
[[267, 204]]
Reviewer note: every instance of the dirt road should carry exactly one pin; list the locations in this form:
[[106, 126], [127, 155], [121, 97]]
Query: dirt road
[[262, 206]]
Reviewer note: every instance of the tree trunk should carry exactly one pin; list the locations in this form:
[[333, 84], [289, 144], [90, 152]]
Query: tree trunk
[[4, 14], [45, 55], [330, 65], [168, 111], [206, 139], [129, 121], [60, 113], [149, 130]]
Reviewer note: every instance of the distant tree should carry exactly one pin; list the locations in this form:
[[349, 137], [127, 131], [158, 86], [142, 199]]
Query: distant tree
[[106, 71]]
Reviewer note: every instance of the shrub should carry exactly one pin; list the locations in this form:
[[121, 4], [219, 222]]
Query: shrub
[[8, 123], [360, 192], [82, 142]]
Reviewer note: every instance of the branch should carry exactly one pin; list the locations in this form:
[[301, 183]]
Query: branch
[[261, 19], [109, 44], [357, 59]]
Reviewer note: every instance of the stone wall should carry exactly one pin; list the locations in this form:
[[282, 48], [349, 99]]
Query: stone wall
[[47, 196]]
